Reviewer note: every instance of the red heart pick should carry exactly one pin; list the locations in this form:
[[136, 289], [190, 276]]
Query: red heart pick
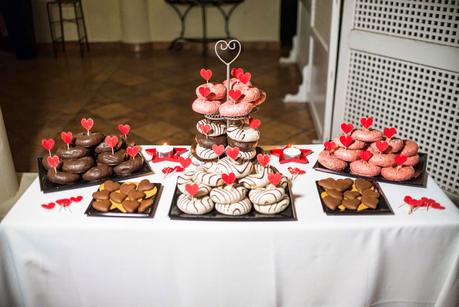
[[263, 159], [47, 144], [66, 137], [178, 169], [236, 71], [254, 123], [235, 94], [205, 129], [184, 162], [389, 132], [132, 151], [218, 149], [53, 161], [204, 91], [229, 178], [87, 123], [382, 146], [296, 171], [347, 127], [346, 140], [245, 77], [64, 202], [124, 129], [232, 152], [365, 155], [274, 178], [111, 140], [192, 189], [167, 170], [206, 74], [76, 199], [48, 206], [329, 146], [400, 159], [366, 121]]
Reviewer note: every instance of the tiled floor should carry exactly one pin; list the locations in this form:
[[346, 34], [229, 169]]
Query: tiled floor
[[153, 92]]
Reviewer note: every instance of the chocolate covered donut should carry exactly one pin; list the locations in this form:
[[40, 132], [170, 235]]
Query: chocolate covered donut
[[62, 177], [78, 166], [103, 147], [129, 166], [244, 146], [98, 172], [208, 141], [112, 159], [73, 152], [85, 140]]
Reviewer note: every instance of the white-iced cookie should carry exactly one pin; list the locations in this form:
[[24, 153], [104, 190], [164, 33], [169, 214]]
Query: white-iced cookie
[[210, 179], [216, 127], [257, 180], [205, 153], [266, 196], [228, 165], [228, 194], [240, 208], [195, 205], [273, 208], [243, 133]]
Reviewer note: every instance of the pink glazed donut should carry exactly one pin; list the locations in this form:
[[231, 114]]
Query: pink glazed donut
[[367, 135], [328, 160], [410, 149], [364, 168], [204, 106], [349, 155], [383, 160], [412, 161], [217, 91], [235, 109], [260, 100], [397, 173], [396, 145], [355, 145], [250, 94], [235, 84]]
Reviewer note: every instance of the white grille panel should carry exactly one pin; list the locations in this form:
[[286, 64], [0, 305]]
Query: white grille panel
[[435, 21], [420, 101]]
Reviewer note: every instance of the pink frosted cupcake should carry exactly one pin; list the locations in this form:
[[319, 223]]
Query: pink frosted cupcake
[[204, 106]]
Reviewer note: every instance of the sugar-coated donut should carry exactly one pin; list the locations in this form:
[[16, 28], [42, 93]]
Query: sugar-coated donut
[[383, 160], [364, 168], [273, 208], [398, 173], [195, 205], [348, 155], [238, 208], [235, 109], [395, 145], [355, 145], [412, 160], [217, 127], [367, 135], [205, 106], [266, 196], [257, 180], [228, 194], [217, 91], [410, 148], [329, 160]]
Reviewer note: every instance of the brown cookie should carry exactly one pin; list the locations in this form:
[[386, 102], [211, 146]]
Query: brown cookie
[[145, 185], [370, 193], [117, 197], [101, 195], [135, 195], [370, 202], [351, 203], [127, 187], [327, 183], [111, 186], [144, 204], [130, 205], [335, 194], [343, 184], [101, 205], [362, 184], [351, 194], [331, 202]]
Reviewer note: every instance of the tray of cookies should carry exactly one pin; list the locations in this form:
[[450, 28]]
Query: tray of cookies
[[127, 199], [352, 197]]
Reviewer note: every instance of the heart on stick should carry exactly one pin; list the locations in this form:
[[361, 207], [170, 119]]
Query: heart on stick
[[64, 202], [347, 127], [366, 122], [206, 74], [254, 123], [53, 161], [87, 124], [229, 178], [365, 155], [274, 178], [389, 132], [192, 189], [67, 137], [185, 162], [111, 141], [49, 205], [132, 151], [220, 49], [205, 129], [382, 146], [296, 171], [346, 140], [167, 170], [263, 159], [400, 159], [218, 149], [124, 129], [329, 146], [245, 77], [234, 94], [76, 199], [48, 144], [235, 72], [204, 91], [232, 152]]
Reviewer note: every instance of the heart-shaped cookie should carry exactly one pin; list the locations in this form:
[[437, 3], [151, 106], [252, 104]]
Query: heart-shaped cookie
[[144, 204], [331, 202], [101, 195], [135, 195], [101, 205], [111, 186], [351, 203], [370, 202], [342, 184], [130, 205], [117, 197], [335, 193], [362, 184], [125, 188], [328, 183], [351, 194], [145, 185]]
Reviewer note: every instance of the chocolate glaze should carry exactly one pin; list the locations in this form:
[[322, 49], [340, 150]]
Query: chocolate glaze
[[98, 172], [244, 146], [78, 166], [74, 152], [112, 159], [129, 166], [102, 147], [62, 177], [85, 140], [208, 141], [45, 164]]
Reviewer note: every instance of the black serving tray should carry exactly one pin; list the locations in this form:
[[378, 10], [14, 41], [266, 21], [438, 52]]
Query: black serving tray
[[289, 214], [48, 187], [90, 211], [383, 207], [420, 179]]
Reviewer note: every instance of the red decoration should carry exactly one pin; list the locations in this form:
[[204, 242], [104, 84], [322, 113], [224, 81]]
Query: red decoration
[[400, 159], [192, 189], [184, 162], [206, 74], [229, 178], [64, 202], [346, 140], [254, 123], [236, 71], [167, 170], [329, 146], [124, 129], [382, 146], [347, 127], [87, 123], [389, 132], [176, 152], [274, 178], [48, 206], [204, 91], [53, 161], [422, 202], [132, 151], [296, 171], [234, 94], [301, 159], [76, 199], [365, 155], [263, 159], [232, 152], [67, 137], [218, 149], [245, 77], [205, 129], [47, 144], [366, 121]]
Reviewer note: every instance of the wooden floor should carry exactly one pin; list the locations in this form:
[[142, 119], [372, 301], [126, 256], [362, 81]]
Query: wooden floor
[[152, 92]]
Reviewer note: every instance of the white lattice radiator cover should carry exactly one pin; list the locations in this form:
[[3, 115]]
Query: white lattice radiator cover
[[420, 101]]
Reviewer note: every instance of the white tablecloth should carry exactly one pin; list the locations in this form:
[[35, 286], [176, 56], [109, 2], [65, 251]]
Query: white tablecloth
[[61, 258]]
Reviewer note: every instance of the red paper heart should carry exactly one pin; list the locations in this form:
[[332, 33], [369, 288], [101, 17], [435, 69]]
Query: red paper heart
[[206, 74], [365, 155], [87, 123], [53, 161], [218, 149], [64, 202], [178, 169], [254, 123], [124, 129], [296, 171], [167, 170], [229, 178], [236, 71], [245, 77], [76, 199], [204, 91], [346, 140], [47, 144], [205, 129], [192, 189], [132, 150], [400, 159], [389, 132], [184, 162], [329, 146], [48, 206], [111, 140], [347, 127], [366, 121], [263, 159], [274, 178], [382, 146], [66, 137], [232, 152], [235, 94]]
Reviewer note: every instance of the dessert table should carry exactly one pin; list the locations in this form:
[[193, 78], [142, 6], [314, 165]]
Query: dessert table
[[61, 257]]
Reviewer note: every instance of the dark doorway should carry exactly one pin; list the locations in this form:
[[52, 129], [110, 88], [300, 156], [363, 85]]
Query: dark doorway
[[288, 24]]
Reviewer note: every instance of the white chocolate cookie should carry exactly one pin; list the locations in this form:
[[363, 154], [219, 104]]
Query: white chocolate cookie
[[273, 208], [240, 208], [195, 205], [266, 196], [228, 194], [216, 127]]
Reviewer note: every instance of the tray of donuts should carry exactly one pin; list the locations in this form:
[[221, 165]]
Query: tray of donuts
[[125, 199], [374, 154], [88, 158]]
